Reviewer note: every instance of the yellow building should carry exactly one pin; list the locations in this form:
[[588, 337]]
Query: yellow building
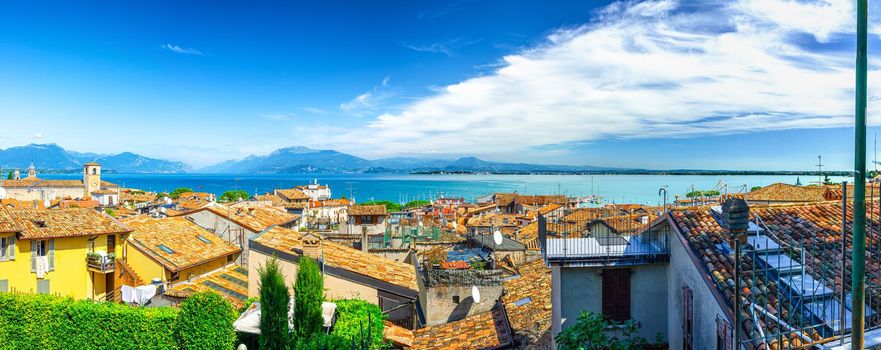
[[175, 250], [69, 252]]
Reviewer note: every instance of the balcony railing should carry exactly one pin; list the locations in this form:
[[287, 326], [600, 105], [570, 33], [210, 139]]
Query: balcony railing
[[101, 263], [609, 249]]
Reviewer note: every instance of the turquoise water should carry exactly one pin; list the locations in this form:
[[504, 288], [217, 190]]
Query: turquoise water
[[613, 188]]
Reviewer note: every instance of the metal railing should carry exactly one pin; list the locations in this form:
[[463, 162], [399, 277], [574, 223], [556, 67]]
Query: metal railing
[[103, 264]]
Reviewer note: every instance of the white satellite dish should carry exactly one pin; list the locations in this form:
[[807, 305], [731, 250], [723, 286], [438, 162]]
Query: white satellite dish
[[168, 200], [46, 203], [2, 193], [497, 237], [475, 294], [455, 225], [162, 210]]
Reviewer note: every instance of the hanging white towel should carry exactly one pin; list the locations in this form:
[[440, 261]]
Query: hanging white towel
[[128, 294], [143, 294], [42, 266]]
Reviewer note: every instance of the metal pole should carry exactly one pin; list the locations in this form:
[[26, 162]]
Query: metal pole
[[859, 199], [843, 254]]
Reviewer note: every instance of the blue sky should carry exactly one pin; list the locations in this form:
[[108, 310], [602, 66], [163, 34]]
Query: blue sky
[[743, 84]]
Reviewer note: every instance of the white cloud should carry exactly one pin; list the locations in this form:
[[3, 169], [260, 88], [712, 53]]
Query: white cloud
[[314, 110], [37, 135], [181, 50], [370, 101], [447, 48], [278, 116], [649, 69]]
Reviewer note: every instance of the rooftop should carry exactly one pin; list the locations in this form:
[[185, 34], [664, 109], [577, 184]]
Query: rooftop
[[59, 223], [482, 331], [253, 217], [230, 282], [177, 243], [527, 300], [375, 209]]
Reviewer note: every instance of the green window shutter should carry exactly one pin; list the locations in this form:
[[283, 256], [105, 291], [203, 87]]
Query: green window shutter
[[34, 252], [11, 248], [4, 286], [43, 286], [4, 249], [51, 255]]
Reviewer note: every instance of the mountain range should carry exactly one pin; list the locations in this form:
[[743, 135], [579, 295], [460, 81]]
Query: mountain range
[[290, 160], [51, 157]]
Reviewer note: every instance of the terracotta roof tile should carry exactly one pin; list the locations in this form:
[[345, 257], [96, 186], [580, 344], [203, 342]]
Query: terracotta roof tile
[[230, 282], [485, 330], [528, 300], [70, 222], [338, 255], [254, 217], [189, 244], [376, 209]]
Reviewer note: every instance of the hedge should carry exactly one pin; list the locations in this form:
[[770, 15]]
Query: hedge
[[35, 321], [358, 320], [206, 322]]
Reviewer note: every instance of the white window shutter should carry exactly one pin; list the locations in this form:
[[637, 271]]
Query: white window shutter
[[34, 252], [11, 248], [51, 255]]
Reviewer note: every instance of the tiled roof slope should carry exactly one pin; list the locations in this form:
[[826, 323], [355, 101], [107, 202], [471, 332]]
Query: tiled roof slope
[[482, 331], [182, 237], [815, 226], [69, 222], [531, 320], [255, 218], [340, 256], [7, 223], [781, 192], [376, 209], [230, 282]]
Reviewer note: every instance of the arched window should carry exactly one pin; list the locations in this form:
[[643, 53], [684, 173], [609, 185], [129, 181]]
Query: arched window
[[94, 171]]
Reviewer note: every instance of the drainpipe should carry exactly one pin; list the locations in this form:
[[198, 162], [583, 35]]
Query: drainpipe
[[859, 197]]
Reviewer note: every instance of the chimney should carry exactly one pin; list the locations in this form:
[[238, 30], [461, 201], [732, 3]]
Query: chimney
[[16, 175], [364, 239], [312, 246], [735, 218]]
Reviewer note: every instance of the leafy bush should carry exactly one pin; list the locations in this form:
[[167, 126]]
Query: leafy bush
[[708, 193], [755, 188], [35, 321], [110, 212], [591, 331], [274, 301], [234, 196], [359, 322], [205, 322], [308, 296], [178, 191], [389, 205], [321, 341], [417, 203]]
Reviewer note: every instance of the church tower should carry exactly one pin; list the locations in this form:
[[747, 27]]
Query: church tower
[[32, 171], [91, 178]]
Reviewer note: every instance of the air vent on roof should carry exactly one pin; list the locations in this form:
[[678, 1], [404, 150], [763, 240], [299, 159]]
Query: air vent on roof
[[523, 301], [40, 223], [166, 249], [203, 239]]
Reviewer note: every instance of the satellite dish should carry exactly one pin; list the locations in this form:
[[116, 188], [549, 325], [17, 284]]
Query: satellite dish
[[46, 203], [162, 210], [455, 225], [167, 200], [2, 193], [475, 294], [497, 237]]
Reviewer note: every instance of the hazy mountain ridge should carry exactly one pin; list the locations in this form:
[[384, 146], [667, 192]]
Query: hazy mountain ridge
[[55, 158]]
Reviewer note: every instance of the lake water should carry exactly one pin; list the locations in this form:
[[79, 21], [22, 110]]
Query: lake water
[[401, 188]]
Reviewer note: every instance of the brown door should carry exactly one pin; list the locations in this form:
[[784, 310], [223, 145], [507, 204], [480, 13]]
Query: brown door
[[616, 294]]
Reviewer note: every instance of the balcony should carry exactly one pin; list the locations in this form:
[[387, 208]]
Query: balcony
[[101, 263], [609, 250]]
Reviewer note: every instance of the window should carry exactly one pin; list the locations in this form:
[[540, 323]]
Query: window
[[111, 244], [7, 248], [723, 334], [616, 294], [43, 251], [165, 249], [203, 239], [43, 286], [687, 318], [4, 286], [456, 299]]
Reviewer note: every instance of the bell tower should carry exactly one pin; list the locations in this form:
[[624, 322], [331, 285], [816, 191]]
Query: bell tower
[[32, 171], [91, 178]]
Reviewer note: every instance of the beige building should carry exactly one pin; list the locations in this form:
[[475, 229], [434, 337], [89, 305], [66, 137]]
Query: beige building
[[348, 273], [33, 188]]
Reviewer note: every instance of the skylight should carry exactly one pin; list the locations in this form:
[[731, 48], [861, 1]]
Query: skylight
[[166, 249], [523, 301], [203, 239]]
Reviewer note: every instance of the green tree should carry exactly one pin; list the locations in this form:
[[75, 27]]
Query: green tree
[[274, 301], [178, 191], [826, 180], [308, 296], [234, 196], [591, 331], [755, 188], [417, 203], [359, 322], [110, 212], [9, 177], [389, 205], [708, 193], [205, 322]]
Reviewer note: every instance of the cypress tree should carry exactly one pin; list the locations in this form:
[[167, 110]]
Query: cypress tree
[[308, 296], [274, 301]]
